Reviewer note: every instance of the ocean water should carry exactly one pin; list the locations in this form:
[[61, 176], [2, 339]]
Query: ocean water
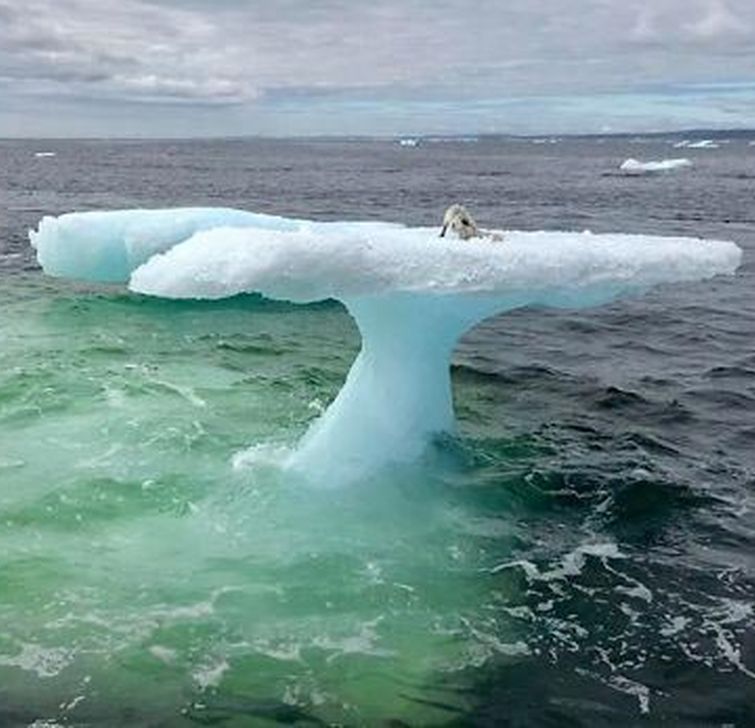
[[580, 552]]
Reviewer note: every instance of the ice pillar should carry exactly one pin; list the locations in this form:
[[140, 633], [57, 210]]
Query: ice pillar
[[397, 394]]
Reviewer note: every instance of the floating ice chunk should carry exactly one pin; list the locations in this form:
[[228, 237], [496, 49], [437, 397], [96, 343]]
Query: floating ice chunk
[[44, 154], [411, 293], [107, 246], [312, 263], [634, 166], [703, 144]]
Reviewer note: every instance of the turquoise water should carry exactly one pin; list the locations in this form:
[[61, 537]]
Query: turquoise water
[[137, 561], [578, 553]]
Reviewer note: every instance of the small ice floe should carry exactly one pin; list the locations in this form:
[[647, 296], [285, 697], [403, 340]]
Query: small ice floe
[[409, 142], [634, 166], [703, 144], [44, 154]]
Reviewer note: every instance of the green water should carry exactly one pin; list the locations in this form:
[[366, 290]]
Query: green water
[[145, 580]]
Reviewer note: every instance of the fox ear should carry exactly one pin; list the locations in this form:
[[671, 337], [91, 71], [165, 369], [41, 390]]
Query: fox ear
[[443, 230]]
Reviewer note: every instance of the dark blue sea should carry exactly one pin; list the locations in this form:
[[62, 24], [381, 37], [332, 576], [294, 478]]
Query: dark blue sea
[[580, 553]]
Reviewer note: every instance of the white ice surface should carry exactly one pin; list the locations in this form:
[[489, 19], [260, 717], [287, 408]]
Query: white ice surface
[[312, 263], [411, 293], [107, 246]]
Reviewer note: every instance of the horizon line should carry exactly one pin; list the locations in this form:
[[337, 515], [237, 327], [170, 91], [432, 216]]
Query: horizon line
[[428, 136]]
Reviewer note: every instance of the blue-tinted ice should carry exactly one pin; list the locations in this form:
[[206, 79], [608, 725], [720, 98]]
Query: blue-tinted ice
[[411, 293]]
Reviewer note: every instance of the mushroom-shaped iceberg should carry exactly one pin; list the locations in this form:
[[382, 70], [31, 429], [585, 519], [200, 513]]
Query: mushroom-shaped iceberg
[[411, 293]]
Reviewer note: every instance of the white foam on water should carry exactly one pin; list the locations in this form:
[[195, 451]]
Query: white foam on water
[[46, 662], [571, 564], [632, 687], [210, 674], [263, 455]]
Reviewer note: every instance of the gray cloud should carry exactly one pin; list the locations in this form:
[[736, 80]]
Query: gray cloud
[[251, 55]]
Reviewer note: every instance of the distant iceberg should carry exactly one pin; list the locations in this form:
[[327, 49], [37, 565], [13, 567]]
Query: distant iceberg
[[409, 142], [44, 154], [703, 144], [634, 166], [411, 293]]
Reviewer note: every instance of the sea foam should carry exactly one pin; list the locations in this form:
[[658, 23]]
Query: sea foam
[[411, 293]]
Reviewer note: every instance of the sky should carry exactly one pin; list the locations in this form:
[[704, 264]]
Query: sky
[[175, 68]]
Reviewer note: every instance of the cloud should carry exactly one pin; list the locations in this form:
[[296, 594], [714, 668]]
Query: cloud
[[710, 25], [108, 48], [254, 55], [718, 22]]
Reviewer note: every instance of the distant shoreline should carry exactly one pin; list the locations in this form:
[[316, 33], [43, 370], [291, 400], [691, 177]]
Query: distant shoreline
[[692, 134]]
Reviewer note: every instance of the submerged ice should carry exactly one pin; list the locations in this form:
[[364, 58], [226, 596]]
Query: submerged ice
[[411, 293]]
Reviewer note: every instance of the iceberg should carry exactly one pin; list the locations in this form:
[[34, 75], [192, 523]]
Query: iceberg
[[411, 293], [703, 144], [108, 246], [634, 166]]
